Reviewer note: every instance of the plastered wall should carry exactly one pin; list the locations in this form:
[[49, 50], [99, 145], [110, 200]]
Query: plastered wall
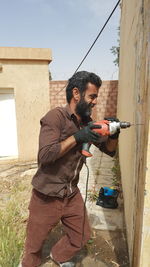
[[25, 70], [133, 106]]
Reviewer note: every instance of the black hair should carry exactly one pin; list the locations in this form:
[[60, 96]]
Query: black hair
[[80, 80]]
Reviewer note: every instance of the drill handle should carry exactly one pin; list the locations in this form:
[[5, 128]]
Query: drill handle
[[86, 150]]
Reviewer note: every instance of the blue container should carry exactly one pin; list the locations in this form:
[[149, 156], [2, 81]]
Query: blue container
[[109, 192]]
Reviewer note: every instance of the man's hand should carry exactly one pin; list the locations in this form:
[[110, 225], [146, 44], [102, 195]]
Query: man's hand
[[86, 135], [115, 135]]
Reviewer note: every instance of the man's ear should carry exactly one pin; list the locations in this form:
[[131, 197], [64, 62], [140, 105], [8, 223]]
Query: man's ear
[[76, 94]]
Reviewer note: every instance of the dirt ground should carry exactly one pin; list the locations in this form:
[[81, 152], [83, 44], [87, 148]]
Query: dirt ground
[[106, 248]]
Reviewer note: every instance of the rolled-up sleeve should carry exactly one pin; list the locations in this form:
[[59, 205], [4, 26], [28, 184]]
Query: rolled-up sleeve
[[49, 138]]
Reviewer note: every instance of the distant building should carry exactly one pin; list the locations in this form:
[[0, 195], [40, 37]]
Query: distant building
[[24, 98]]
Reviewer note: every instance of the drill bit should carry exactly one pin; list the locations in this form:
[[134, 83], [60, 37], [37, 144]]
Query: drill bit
[[135, 124], [124, 124]]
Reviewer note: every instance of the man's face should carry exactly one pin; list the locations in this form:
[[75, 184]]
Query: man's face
[[87, 101]]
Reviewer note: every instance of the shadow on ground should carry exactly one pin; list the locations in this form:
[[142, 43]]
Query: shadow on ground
[[105, 249]]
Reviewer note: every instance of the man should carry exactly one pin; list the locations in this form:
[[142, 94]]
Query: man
[[55, 193]]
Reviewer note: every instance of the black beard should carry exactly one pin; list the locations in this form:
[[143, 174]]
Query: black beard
[[84, 110]]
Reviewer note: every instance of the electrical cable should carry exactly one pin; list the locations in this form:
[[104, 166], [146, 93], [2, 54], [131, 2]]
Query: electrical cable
[[86, 193], [97, 36], [95, 40], [84, 207]]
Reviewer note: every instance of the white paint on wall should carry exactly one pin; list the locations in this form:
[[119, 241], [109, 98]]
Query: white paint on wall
[[8, 128]]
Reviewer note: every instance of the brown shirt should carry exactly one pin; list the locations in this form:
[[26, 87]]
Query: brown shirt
[[57, 176]]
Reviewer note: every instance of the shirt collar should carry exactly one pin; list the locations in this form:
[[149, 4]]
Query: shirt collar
[[69, 112], [71, 115]]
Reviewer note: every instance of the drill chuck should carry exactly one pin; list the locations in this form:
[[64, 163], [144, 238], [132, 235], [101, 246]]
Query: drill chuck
[[124, 124], [114, 126]]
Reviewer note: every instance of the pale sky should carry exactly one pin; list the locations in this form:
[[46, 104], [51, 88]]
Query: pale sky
[[68, 27]]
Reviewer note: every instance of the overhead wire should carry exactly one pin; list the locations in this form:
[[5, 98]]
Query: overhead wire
[[102, 29], [97, 36]]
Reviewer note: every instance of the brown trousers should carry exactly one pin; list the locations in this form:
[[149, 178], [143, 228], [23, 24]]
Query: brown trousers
[[45, 213]]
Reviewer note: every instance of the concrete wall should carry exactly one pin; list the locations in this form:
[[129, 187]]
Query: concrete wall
[[25, 70], [133, 106]]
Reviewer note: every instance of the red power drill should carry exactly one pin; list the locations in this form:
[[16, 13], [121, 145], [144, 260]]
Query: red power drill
[[107, 128]]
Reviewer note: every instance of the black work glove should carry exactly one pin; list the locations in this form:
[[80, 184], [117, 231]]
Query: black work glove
[[86, 135], [115, 135]]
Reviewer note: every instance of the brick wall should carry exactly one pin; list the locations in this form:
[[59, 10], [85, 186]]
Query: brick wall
[[106, 103]]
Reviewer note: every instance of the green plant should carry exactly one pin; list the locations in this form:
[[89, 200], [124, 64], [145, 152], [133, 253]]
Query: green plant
[[12, 232], [92, 194], [98, 172], [116, 49], [116, 171]]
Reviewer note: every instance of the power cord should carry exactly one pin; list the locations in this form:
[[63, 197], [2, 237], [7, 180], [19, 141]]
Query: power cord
[[97, 36], [86, 194], [84, 207]]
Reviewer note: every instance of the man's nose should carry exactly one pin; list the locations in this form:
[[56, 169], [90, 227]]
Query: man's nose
[[94, 101]]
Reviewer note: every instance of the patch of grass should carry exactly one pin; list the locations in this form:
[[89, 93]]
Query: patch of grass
[[98, 172], [12, 234], [93, 194], [116, 171], [14, 200]]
